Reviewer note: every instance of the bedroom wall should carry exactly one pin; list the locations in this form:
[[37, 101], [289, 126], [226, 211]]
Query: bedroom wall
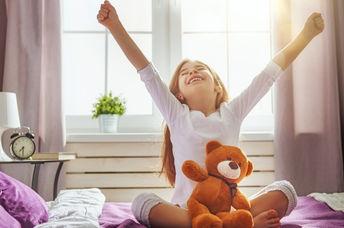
[[124, 169]]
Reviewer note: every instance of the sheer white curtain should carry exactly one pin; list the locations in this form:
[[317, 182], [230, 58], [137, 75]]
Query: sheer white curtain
[[31, 61], [308, 146]]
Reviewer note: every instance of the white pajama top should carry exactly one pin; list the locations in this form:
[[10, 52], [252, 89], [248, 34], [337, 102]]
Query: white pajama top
[[191, 130]]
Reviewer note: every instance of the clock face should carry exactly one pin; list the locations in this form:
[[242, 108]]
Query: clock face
[[23, 147]]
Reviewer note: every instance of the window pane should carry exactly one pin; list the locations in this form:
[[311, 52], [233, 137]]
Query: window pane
[[81, 15], [249, 15], [208, 48], [83, 71], [248, 55], [123, 78], [204, 15], [136, 15]]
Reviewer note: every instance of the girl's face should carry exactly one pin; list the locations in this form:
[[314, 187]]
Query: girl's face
[[195, 79]]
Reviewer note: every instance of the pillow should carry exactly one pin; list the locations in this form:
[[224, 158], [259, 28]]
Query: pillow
[[6, 220], [21, 202]]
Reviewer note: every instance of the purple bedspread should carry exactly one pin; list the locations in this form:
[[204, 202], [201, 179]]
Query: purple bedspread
[[308, 213], [118, 215], [312, 213]]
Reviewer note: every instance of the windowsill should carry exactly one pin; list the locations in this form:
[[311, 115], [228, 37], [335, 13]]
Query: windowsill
[[150, 137]]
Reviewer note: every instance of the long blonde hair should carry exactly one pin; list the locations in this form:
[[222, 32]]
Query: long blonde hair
[[167, 157]]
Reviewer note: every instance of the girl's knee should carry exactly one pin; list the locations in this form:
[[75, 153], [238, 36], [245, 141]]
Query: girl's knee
[[142, 205], [289, 191], [279, 195]]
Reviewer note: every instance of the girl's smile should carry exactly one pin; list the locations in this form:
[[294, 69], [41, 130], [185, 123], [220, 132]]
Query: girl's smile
[[194, 78], [193, 72]]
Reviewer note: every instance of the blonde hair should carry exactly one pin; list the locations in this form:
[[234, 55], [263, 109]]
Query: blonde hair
[[167, 157]]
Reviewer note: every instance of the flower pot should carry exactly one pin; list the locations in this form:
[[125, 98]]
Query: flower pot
[[108, 123]]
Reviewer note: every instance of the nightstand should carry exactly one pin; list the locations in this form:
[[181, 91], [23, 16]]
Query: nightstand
[[37, 164]]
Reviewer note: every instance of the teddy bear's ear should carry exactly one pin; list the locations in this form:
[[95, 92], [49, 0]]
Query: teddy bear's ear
[[212, 145], [249, 168]]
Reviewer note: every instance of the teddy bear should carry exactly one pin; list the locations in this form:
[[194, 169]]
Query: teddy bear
[[210, 203]]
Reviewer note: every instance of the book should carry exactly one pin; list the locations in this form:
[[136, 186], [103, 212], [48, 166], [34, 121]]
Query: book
[[48, 156]]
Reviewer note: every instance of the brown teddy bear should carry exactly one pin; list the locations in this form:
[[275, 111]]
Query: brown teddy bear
[[211, 200]]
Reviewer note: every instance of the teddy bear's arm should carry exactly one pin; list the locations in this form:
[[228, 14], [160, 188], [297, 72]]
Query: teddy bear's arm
[[240, 201], [194, 171]]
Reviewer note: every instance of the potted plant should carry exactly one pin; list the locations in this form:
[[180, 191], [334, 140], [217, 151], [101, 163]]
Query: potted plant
[[108, 109]]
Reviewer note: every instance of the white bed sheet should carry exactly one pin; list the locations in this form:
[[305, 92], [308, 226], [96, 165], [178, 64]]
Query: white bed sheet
[[75, 208], [333, 200]]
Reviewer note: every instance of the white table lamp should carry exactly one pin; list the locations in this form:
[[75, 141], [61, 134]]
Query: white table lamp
[[9, 117]]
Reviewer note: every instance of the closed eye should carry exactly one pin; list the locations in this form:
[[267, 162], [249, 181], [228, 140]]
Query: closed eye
[[183, 74]]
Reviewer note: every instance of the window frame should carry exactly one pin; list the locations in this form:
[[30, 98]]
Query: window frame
[[166, 54]]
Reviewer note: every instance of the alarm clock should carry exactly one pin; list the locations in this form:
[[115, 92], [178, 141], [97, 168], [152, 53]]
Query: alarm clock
[[22, 144]]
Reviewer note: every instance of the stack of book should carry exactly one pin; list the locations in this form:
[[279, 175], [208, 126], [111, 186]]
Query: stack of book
[[57, 156]]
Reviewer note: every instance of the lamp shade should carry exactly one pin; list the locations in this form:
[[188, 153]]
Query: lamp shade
[[9, 117]]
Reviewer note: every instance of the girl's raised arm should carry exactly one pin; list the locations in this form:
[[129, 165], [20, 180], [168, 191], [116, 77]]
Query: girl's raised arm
[[313, 26], [108, 17], [262, 83]]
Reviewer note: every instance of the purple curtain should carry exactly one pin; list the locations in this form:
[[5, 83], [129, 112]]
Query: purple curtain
[[309, 99], [31, 60]]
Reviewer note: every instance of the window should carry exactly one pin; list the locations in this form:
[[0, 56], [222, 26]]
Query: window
[[233, 37], [93, 63], [216, 32]]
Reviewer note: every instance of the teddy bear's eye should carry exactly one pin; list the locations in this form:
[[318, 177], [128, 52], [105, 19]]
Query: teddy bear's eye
[[239, 164], [229, 159]]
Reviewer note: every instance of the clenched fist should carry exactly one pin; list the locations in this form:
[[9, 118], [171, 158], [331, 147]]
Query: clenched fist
[[107, 14], [313, 26]]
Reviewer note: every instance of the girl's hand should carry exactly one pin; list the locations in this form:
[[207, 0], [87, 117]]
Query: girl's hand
[[313, 26], [107, 14]]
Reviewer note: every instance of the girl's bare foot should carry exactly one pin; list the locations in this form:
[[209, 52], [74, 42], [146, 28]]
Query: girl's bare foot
[[267, 219]]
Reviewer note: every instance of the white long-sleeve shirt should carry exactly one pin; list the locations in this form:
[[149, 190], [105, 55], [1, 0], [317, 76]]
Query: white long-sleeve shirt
[[191, 130]]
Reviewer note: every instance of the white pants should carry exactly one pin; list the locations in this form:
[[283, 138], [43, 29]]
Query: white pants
[[144, 202]]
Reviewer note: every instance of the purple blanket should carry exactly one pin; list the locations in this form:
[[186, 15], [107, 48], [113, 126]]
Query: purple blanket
[[118, 215], [308, 213], [312, 213]]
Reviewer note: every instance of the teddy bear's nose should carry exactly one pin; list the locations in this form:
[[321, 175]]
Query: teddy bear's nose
[[233, 165]]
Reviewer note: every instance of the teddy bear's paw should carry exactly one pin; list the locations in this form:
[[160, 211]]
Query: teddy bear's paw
[[206, 221], [238, 219]]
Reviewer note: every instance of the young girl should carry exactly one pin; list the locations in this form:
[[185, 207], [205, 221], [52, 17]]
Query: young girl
[[197, 110]]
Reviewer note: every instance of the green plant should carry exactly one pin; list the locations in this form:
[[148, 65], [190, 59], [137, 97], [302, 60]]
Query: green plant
[[109, 105]]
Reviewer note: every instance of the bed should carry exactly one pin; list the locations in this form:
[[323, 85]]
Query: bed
[[20, 206], [308, 213]]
